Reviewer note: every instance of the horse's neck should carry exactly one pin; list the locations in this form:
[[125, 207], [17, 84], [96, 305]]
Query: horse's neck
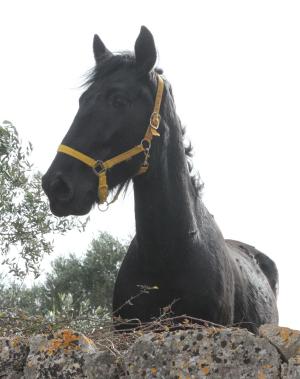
[[165, 200]]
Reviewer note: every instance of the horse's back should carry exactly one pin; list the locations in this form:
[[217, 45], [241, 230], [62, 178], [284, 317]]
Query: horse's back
[[266, 264]]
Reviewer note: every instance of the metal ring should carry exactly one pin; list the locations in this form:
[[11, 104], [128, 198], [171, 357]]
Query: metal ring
[[148, 144], [105, 204], [99, 164], [155, 120]]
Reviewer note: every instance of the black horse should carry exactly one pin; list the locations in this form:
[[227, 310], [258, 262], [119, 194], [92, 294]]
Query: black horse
[[178, 248]]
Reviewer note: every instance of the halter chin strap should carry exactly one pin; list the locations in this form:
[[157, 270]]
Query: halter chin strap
[[100, 168]]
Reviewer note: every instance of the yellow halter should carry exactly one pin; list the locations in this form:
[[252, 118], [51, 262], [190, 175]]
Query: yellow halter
[[100, 167]]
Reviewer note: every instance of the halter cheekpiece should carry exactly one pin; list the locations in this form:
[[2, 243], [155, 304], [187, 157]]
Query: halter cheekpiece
[[100, 168]]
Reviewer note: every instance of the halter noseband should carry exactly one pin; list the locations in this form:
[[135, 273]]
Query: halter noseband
[[100, 167]]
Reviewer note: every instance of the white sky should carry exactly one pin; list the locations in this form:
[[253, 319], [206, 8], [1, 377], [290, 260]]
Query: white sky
[[234, 68]]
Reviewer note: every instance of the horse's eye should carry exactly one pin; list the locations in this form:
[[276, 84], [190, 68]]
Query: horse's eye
[[119, 101]]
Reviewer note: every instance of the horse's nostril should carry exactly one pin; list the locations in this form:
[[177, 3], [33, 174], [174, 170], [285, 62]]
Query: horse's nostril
[[61, 189]]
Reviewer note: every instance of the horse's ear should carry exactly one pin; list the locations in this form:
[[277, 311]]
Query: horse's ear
[[145, 51], [100, 51]]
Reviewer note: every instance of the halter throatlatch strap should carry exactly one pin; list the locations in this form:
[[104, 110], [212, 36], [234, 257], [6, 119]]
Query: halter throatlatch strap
[[100, 167]]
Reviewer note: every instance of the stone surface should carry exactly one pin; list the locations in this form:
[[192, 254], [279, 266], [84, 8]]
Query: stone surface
[[103, 365], [286, 340], [207, 353], [213, 353], [291, 370], [13, 354], [60, 355]]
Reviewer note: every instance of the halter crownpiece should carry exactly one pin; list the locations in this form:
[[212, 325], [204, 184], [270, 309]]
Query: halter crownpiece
[[100, 167]]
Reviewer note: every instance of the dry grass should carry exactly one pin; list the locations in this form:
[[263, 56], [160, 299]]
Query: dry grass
[[102, 332]]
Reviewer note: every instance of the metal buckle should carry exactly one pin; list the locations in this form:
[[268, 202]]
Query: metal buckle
[[146, 144], [155, 120], [99, 165]]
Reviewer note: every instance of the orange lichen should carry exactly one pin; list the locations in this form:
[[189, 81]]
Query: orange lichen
[[261, 375], [267, 366], [285, 333], [205, 370], [66, 340], [154, 371]]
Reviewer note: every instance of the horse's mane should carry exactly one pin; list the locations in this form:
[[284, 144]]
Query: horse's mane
[[127, 60]]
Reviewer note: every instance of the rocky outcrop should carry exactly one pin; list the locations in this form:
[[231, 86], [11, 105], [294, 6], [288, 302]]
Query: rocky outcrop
[[207, 352], [13, 356], [61, 355]]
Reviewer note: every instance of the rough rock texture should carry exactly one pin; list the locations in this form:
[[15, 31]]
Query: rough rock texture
[[291, 370], [207, 353], [286, 340], [211, 353], [61, 355], [13, 355], [104, 364]]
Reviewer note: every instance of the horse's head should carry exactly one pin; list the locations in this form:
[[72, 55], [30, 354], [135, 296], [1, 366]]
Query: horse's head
[[112, 118]]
